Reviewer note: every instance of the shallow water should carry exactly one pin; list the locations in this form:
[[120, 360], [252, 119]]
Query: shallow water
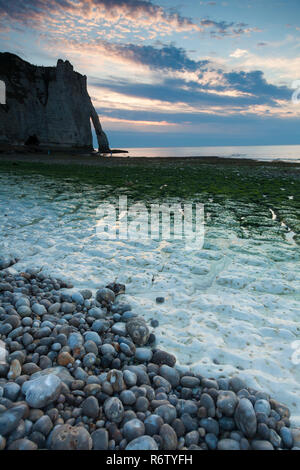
[[231, 307]]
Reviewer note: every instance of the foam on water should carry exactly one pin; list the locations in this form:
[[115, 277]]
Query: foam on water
[[230, 308]]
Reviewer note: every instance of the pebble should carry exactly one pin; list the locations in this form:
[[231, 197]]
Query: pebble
[[138, 330], [91, 377], [41, 391], [113, 409], [227, 402], [10, 419], [100, 439], [90, 407], [169, 437], [153, 424], [133, 429], [261, 445], [66, 437], [228, 444], [143, 354], [106, 295], [142, 443], [245, 417]]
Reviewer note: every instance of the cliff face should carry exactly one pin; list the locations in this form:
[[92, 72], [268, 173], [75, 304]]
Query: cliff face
[[51, 103]]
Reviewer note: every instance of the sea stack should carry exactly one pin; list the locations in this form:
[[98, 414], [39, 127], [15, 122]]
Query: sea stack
[[49, 106]]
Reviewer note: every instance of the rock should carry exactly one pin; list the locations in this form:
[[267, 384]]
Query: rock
[[89, 360], [78, 298], [15, 369], [287, 437], [167, 412], [115, 378], [51, 95], [227, 402], [127, 397], [41, 391], [10, 419], [211, 441], [108, 349], [65, 358], [38, 309], [119, 328], [117, 288], [90, 407], [262, 406], [61, 372], [130, 378], [142, 443], [261, 445], [192, 438], [143, 355], [153, 424], [228, 444], [162, 357], [54, 308], [138, 330], [237, 384], [133, 429], [11, 391], [66, 437], [113, 409], [245, 417], [100, 439], [295, 435], [169, 438], [170, 374], [43, 425], [97, 313], [23, 444], [106, 295], [93, 336], [209, 424], [189, 382], [275, 439], [208, 403], [160, 382]]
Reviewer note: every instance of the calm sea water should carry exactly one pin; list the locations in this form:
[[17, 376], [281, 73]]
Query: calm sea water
[[288, 153]]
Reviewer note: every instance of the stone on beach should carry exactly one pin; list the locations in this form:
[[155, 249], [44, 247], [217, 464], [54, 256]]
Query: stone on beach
[[41, 391]]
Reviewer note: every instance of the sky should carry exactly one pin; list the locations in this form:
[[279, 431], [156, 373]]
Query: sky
[[164, 73]]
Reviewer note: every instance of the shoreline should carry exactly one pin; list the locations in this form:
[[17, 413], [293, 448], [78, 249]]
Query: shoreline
[[103, 381], [99, 161]]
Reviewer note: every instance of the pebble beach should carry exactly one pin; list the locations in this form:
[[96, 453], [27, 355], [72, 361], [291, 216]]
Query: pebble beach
[[85, 372]]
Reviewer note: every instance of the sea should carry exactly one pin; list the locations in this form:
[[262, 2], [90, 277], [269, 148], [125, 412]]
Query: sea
[[267, 153]]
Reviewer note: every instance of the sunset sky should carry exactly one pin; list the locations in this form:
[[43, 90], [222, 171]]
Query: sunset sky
[[165, 73]]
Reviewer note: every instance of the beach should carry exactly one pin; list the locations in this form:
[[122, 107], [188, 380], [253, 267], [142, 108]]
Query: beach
[[230, 309]]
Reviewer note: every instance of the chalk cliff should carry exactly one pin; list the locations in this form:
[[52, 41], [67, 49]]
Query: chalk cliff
[[50, 105]]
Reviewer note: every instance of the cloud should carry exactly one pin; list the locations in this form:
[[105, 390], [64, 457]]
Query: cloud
[[111, 12], [239, 53], [223, 28], [142, 18]]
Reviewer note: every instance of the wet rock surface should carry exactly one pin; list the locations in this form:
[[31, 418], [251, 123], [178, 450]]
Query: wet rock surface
[[85, 373]]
